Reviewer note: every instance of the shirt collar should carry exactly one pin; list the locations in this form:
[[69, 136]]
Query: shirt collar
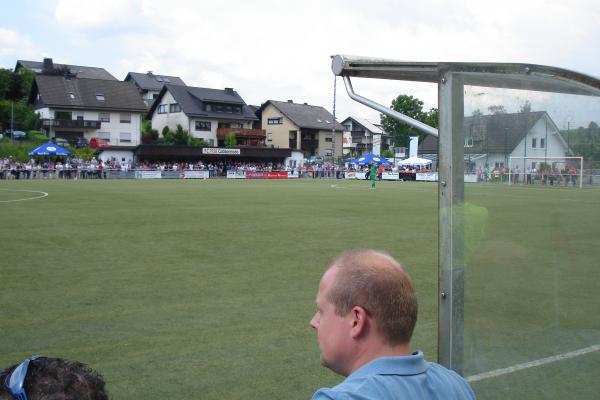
[[413, 364]]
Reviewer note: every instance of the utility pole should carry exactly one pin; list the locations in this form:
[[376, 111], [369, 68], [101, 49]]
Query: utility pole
[[12, 117]]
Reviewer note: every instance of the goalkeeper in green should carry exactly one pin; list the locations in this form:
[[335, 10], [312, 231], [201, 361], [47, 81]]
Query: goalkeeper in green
[[373, 174]]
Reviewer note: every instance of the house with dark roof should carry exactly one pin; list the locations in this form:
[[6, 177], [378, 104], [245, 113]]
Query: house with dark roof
[[150, 84], [301, 127], [491, 140], [362, 136], [100, 110], [209, 114], [48, 67]]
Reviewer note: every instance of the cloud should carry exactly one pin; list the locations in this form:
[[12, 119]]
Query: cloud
[[93, 14], [14, 44], [269, 49]]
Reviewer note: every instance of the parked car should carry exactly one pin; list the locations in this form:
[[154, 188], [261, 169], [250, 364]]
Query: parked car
[[81, 142], [99, 143], [61, 141], [19, 135]]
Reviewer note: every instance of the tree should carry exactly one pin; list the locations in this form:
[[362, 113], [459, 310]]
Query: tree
[[230, 140], [525, 107], [497, 109], [5, 75], [477, 113], [412, 107]]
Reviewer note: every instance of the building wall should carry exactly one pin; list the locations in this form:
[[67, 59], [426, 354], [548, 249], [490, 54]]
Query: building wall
[[279, 135], [554, 146], [159, 121], [324, 145], [119, 133]]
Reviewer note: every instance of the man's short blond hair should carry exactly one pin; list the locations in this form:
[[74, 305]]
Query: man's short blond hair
[[376, 282]]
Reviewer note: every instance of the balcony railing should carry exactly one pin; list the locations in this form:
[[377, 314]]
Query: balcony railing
[[71, 123], [242, 133]]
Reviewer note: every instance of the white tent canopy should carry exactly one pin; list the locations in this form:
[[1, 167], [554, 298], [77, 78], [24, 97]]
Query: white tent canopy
[[415, 161]]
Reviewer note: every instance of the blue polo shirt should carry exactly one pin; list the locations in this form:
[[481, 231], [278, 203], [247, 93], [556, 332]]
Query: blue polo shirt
[[402, 377]]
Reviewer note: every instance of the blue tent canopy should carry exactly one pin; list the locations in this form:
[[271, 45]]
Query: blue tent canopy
[[369, 158], [49, 149]]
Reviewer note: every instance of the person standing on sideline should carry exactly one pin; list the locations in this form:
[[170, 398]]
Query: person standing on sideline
[[373, 174], [366, 314]]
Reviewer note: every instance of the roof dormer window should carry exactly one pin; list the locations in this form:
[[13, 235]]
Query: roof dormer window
[[71, 96], [100, 97]]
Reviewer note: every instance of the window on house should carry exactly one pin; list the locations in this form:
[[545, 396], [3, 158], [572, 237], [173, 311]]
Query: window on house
[[100, 97], [238, 110], [203, 125], [174, 108], [208, 107], [72, 96], [162, 109], [329, 139], [104, 117], [78, 115], [328, 153], [293, 142], [275, 121], [533, 143], [125, 118], [62, 115], [542, 143], [166, 79], [269, 137], [125, 137], [468, 142]]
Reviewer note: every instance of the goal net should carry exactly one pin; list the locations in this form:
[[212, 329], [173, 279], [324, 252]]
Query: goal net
[[550, 171]]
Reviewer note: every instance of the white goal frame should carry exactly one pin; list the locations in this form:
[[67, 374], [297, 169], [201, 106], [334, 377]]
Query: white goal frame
[[565, 158]]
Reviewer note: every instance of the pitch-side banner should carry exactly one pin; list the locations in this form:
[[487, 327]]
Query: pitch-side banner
[[148, 175], [266, 175], [194, 174], [427, 176]]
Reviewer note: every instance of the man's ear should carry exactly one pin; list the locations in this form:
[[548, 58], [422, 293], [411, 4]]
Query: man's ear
[[359, 322]]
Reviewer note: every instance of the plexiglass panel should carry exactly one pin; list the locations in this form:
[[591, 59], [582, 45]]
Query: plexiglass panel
[[531, 240]]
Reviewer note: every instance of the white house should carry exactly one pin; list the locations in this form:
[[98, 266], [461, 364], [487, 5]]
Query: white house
[[362, 136], [106, 112], [491, 140], [209, 114]]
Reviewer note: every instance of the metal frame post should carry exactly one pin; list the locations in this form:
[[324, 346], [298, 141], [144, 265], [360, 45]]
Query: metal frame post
[[451, 222]]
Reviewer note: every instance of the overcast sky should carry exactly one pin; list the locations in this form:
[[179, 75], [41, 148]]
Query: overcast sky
[[279, 50]]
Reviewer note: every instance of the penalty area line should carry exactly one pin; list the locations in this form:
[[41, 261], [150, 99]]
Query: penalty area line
[[531, 364]]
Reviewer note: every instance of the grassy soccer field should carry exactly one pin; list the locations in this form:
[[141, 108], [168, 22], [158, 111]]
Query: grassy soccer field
[[204, 289]]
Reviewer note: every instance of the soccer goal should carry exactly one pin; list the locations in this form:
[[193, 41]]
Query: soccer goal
[[551, 171]]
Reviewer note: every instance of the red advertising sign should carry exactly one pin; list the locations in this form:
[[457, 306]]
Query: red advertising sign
[[277, 175], [266, 175]]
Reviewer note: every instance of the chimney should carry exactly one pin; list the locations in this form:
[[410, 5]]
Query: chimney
[[305, 104], [229, 90], [149, 73], [48, 65], [290, 101]]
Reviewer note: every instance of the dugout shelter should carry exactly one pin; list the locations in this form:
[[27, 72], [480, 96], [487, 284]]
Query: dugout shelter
[[517, 298]]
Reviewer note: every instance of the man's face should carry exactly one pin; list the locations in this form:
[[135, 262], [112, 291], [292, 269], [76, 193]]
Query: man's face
[[333, 331]]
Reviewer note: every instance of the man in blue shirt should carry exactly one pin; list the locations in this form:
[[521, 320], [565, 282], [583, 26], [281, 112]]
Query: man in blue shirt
[[366, 313]]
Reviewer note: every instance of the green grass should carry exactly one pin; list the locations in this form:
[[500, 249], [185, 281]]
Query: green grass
[[204, 289]]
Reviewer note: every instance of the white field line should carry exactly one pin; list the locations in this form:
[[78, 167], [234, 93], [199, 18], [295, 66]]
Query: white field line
[[43, 194], [531, 364]]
